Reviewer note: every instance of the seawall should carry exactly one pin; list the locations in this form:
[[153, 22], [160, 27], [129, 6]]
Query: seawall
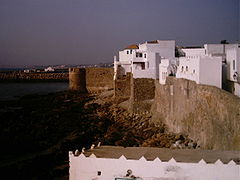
[[40, 76]]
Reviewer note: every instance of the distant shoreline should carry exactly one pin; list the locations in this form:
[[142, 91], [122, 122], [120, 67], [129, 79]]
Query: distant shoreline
[[33, 77]]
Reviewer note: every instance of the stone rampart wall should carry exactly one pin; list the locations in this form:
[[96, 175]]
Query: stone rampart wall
[[209, 115], [98, 79], [92, 79], [123, 88]]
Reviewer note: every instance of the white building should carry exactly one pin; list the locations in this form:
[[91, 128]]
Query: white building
[[201, 64], [144, 163], [143, 60], [208, 50], [233, 68], [166, 68], [194, 51], [49, 69], [201, 69]]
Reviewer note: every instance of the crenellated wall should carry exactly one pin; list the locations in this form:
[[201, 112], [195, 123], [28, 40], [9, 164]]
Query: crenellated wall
[[107, 168]]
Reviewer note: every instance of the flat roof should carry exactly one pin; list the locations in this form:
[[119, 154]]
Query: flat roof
[[165, 154]]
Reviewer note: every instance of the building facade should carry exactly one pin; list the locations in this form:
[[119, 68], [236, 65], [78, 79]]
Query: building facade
[[201, 69], [143, 60]]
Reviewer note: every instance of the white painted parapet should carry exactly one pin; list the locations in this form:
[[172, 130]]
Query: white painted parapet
[[93, 168]]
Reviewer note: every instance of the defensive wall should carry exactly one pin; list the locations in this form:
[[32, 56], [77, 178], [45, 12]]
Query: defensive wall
[[209, 115], [39, 76], [91, 79]]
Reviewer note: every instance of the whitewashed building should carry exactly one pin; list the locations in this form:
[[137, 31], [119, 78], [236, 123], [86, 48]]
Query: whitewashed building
[[233, 68], [144, 163], [201, 69], [218, 50], [49, 69], [202, 65], [143, 60]]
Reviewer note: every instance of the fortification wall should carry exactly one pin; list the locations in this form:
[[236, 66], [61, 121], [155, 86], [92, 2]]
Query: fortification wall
[[98, 79], [90, 79], [33, 76], [122, 87], [209, 115], [143, 93], [77, 79]]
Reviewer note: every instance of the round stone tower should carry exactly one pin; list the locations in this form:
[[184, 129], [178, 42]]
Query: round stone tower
[[77, 79]]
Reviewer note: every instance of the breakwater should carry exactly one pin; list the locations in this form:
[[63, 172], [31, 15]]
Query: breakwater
[[39, 76]]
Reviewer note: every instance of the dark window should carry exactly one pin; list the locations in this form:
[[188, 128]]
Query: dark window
[[99, 173], [130, 51], [127, 52], [145, 55], [233, 64], [182, 68], [140, 55], [186, 68], [194, 71]]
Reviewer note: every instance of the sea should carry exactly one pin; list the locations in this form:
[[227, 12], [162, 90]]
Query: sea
[[14, 90]]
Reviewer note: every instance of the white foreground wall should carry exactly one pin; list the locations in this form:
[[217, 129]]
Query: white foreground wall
[[92, 168]]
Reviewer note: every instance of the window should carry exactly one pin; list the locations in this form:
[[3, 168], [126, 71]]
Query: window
[[234, 65], [186, 68], [140, 55], [127, 52], [194, 71], [99, 173], [145, 55], [182, 68]]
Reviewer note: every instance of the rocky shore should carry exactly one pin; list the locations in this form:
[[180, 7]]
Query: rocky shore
[[37, 131]]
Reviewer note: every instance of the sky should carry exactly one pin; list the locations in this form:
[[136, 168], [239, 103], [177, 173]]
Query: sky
[[49, 32]]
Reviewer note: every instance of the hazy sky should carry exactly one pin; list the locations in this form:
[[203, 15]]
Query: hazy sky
[[42, 32]]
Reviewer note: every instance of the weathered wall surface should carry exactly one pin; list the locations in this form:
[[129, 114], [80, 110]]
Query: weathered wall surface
[[98, 79], [142, 94], [93, 79], [123, 88], [77, 79], [207, 114], [33, 76]]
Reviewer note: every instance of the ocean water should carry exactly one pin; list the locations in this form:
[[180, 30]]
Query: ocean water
[[13, 90]]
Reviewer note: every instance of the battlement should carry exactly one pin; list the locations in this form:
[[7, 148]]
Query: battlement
[[151, 163]]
